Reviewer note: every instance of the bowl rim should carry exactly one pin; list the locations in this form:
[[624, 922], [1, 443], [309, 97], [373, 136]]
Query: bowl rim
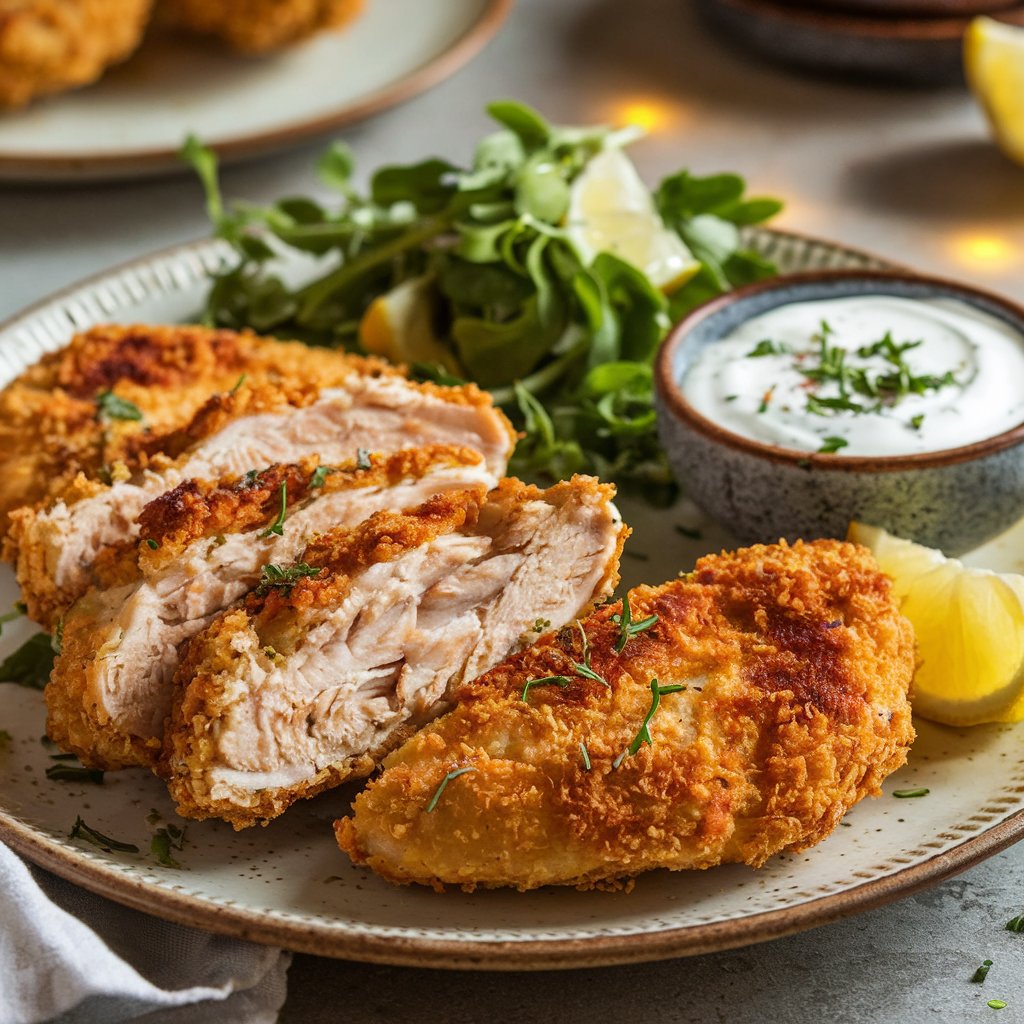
[[671, 394]]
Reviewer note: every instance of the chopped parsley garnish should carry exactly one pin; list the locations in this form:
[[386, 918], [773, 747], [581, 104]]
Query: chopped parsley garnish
[[238, 384], [767, 347], [74, 773], [285, 578], [585, 755], [454, 774], [82, 831], [627, 627], [644, 735], [1016, 924], [832, 444], [689, 532], [997, 1004], [909, 794], [882, 389], [277, 526], [31, 664], [320, 475], [57, 640], [363, 459], [539, 625], [164, 840], [562, 681], [110, 407], [585, 668], [982, 972], [766, 399], [152, 544]]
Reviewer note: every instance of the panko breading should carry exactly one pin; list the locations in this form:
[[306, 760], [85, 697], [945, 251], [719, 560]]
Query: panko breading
[[61, 550], [313, 681], [257, 26], [204, 547], [51, 427], [48, 46], [795, 663]]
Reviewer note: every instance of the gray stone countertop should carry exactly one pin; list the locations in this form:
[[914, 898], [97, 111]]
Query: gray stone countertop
[[908, 173]]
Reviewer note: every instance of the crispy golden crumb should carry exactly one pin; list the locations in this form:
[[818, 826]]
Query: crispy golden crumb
[[796, 664], [258, 26], [48, 46]]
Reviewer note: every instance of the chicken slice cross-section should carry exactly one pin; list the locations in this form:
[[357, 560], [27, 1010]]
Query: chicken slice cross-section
[[768, 697], [58, 547], [114, 390], [204, 547], [313, 681]]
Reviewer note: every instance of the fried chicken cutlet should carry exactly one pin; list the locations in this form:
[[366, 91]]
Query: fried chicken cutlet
[[61, 549], [259, 26], [316, 678], [48, 46], [768, 697], [64, 415], [204, 546]]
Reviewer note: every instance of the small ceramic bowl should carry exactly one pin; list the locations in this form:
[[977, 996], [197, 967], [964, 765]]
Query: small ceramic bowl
[[953, 499]]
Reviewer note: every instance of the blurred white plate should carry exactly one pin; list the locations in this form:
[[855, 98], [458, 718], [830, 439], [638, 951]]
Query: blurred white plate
[[288, 884], [132, 122]]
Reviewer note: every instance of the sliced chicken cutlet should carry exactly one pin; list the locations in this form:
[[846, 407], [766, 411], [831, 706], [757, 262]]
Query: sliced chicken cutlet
[[61, 550], [205, 547], [67, 413], [318, 676], [768, 697]]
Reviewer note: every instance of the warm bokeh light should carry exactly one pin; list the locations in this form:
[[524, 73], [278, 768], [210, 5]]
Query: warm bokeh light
[[652, 114], [988, 251]]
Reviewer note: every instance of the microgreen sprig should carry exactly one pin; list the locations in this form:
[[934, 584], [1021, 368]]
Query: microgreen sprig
[[562, 681], [454, 774], [644, 735], [627, 627], [277, 526]]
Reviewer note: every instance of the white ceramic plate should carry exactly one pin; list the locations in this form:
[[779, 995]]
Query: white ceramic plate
[[134, 119], [288, 884]]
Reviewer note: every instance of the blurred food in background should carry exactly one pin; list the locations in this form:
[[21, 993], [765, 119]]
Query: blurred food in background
[[258, 26], [50, 46], [911, 41]]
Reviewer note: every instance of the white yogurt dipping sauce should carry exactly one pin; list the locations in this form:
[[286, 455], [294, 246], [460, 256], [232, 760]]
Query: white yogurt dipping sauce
[[776, 399]]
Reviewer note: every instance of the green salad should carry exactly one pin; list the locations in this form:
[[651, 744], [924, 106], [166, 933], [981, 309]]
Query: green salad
[[542, 273]]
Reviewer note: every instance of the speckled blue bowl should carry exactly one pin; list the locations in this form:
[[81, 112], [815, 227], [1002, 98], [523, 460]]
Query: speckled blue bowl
[[954, 499]]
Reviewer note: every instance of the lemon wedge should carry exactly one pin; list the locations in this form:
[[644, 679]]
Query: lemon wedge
[[969, 625], [994, 65], [399, 325], [611, 210]]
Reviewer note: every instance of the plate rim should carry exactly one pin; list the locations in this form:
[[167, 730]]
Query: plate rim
[[115, 883], [154, 160]]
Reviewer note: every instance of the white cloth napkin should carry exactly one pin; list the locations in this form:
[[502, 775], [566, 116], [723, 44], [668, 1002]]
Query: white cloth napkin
[[69, 956]]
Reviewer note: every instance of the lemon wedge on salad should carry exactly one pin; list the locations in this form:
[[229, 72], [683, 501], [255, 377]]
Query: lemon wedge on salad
[[399, 325], [969, 625], [612, 210], [994, 65]]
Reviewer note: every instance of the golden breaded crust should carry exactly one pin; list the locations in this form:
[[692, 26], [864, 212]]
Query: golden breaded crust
[[258, 26], [51, 428], [48, 46], [796, 664]]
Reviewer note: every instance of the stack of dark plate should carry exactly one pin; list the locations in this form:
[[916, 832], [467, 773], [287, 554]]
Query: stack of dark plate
[[895, 40]]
